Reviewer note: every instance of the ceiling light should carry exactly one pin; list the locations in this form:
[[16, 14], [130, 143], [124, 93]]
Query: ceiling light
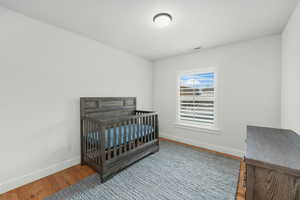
[[162, 19], [198, 48]]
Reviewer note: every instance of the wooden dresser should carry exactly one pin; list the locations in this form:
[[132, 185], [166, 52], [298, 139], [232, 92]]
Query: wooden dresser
[[272, 164]]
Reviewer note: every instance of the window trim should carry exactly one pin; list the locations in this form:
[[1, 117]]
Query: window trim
[[198, 128], [209, 128]]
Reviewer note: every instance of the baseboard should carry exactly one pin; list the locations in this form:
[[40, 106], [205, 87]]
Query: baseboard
[[221, 149], [28, 178]]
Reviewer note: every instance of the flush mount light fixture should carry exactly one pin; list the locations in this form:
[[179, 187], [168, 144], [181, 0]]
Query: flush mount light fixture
[[162, 19], [198, 48]]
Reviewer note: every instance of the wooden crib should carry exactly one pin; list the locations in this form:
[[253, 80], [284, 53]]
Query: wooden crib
[[114, 134]]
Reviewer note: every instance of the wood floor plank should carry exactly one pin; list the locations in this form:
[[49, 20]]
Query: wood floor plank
[[203, 149], [9, 195], [241, 192], [49, 185]]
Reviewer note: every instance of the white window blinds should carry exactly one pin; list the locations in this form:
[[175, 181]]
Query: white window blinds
[[197, 99]]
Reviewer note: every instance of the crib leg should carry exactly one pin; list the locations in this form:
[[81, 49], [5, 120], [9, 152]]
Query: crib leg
[[82, 161], [104, 178], [156, 150]]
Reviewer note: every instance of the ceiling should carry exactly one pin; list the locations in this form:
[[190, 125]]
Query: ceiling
[[127, 24]]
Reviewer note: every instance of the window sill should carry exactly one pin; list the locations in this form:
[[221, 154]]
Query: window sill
[[196, 128]]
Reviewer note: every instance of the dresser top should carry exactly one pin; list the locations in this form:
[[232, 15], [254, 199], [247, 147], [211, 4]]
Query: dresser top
[[278, 147]]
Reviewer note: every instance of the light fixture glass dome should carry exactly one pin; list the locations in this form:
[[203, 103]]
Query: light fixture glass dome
[[162, 19]]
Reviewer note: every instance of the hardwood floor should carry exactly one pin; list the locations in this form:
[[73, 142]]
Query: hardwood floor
[[241, 190], [49, 185], [203, 149], [44, 187]]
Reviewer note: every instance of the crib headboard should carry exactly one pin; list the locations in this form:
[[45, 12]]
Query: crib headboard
[[107, 106]]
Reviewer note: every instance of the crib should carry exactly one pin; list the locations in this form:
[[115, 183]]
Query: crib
[[114, 134]]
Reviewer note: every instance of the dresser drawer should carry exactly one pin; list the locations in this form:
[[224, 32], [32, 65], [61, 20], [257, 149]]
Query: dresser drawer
[[271, 184], [272, 164]]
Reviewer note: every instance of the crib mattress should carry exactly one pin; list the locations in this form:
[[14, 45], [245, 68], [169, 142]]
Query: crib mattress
[[137, 131]]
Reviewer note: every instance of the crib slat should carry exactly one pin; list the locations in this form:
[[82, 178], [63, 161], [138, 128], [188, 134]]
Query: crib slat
[[84, 139], [115, 140], [108, 143], [144, 129], [135, 132], [87, 142], [141, 130], [125, 136], [153, 137], [138, 132], [81, 140], [121, 131], [149, 128], [97, 141], [93, 142], [92, 136], [88, 137], [148, 131], [93, 139], [102, 143], [130, 134], [98, 145], [154, 128]]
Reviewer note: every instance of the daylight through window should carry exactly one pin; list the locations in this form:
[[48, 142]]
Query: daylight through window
[[197, 99]]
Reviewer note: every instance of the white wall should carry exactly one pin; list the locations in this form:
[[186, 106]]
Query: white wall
[[249, 84], [291, 73], [43, 72]]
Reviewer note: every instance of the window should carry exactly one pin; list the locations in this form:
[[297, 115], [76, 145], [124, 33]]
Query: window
[[197, 98]]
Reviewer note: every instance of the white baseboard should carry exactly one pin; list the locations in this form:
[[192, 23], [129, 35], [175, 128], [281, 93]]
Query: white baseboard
[[33, 176], [221, 149]]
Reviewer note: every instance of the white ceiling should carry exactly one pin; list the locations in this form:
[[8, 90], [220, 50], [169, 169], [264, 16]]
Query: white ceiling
[[127, 24]]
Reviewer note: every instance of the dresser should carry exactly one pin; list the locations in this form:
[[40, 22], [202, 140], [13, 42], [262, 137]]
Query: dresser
[[272, 164]]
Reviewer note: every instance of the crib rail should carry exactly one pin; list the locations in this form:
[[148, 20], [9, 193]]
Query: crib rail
[[106, 140]]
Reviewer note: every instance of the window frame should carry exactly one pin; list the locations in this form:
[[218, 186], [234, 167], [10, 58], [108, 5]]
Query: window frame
[[192, 126]]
